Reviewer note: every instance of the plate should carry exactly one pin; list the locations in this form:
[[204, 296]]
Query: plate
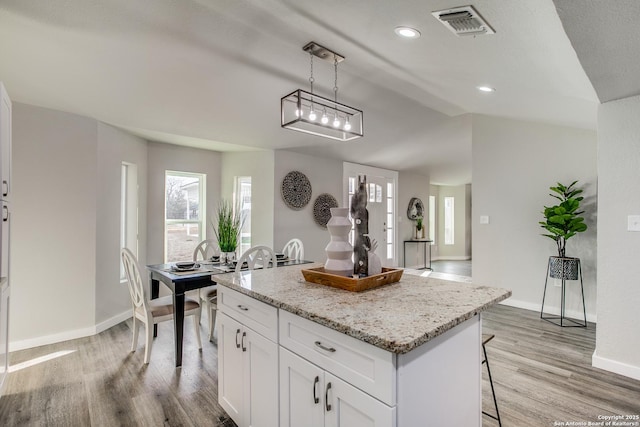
[[185, 266]]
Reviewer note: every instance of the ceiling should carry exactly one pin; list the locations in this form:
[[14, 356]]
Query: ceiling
[[210, 73]]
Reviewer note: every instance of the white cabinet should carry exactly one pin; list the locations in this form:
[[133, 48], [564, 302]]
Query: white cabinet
[[311, 396], [247, 361], [278, 369], [5, 197]]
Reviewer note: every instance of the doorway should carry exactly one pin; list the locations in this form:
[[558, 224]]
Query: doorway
[[381, 205]]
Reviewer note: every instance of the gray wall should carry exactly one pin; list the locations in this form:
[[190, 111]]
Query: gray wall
[[411, 185], [514, 164], [53, 230], [114, 147], [617, 336], [325, 176], [163, 157], [462, 226], [65, 225], [259, 166]]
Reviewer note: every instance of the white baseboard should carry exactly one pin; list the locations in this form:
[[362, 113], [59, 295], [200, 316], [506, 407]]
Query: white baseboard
[[69, 335], [113, 321], [616, 367], [548, 309]]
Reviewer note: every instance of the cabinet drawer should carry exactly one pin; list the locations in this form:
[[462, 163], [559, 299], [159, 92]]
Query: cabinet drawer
[[255, 314], [363, 365]]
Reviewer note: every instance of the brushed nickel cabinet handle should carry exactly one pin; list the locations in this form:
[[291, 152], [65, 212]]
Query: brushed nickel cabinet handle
[[5, 188], [327, 405], [329, 349], [315, 383], [242, 307], [244, 348], [237, 343]]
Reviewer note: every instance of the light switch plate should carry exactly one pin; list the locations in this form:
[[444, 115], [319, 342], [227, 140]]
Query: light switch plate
[[633, 223], [484, 219]]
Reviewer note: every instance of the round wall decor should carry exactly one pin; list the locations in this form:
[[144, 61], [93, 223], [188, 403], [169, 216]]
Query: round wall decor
[[415, 209], [322, 208], [296, 190]]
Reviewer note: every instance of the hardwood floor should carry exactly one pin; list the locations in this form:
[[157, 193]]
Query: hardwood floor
[[460, 268], [542, 373]]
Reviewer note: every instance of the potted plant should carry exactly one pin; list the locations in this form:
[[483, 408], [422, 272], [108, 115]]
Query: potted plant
[[419, 228], [227, 226], [563, 221]]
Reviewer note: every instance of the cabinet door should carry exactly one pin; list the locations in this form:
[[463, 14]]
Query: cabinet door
[[230, 369], [351, 407], [5, 144], [301, 392], [260, 358], [4, 239]]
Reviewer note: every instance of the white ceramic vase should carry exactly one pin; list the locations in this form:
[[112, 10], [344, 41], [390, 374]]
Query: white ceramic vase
[[339, 250]]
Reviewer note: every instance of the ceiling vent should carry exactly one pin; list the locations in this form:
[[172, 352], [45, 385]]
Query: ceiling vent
[[464, 21]]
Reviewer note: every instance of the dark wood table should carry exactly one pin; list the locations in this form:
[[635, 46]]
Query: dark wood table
[[179, 283]]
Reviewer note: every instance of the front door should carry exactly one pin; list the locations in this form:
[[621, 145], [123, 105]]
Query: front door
[[380, 205]]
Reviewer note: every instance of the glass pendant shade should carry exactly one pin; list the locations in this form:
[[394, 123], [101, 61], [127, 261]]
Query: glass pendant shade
[[295, 109]]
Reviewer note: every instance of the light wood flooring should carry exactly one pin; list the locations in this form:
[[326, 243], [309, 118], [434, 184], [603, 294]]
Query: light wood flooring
[[542, 374]]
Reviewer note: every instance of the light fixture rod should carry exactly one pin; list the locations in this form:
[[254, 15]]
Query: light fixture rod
[[322, 52]]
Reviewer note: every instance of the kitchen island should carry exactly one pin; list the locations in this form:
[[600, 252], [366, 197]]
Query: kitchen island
[[294, 353]]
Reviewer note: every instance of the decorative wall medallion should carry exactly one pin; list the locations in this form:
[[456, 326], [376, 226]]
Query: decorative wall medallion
[[296, 190], [415, 209], [322, 209]]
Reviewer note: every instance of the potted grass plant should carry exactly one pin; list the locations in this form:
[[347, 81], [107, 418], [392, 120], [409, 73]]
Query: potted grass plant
[[563, 221], [227, 226], [419, 228]]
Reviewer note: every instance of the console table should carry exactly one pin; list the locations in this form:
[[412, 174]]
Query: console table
[[427, 246]]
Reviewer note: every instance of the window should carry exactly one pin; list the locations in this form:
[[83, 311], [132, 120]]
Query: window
[[242, 201], [184, 214], [128, 210], [432, 219], [390, 220], [448, 220]]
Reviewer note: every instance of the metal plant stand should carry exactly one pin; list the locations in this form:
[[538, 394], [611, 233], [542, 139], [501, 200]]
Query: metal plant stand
[[565, 272]]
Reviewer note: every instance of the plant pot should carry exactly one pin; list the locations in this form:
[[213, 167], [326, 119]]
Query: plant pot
[[563, 267], [227, 257]]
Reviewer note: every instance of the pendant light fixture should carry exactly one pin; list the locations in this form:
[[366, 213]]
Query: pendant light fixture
[[310, 113]]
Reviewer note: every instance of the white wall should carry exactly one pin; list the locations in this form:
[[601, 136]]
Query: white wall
[[325, 176], [461, 227], [163, 157], [617, 337], [411, 185], [259, 166], [53, 230], [114, 147], [514, 164]]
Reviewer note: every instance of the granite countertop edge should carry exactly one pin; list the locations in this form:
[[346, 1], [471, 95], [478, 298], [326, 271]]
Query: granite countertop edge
[[377, 341]]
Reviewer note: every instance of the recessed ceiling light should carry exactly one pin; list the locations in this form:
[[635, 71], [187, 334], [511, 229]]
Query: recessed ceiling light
[[407, 32], [486, 89]]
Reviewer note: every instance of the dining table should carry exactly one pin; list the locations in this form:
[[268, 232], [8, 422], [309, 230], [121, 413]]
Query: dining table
[[180, 281]]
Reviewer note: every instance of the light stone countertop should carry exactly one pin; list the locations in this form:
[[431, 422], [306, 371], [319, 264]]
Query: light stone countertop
[[397, 317]]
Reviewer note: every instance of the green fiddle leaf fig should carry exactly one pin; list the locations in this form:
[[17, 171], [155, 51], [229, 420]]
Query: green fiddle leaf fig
[[563, 220]]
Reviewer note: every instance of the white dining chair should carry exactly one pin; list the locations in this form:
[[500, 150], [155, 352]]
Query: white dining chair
[[257, 257], [209, 295], [151, 312], [294, 249], [206, 249]]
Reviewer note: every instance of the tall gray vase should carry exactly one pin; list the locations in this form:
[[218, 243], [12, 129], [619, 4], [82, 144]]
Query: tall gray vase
[[360, 217]]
